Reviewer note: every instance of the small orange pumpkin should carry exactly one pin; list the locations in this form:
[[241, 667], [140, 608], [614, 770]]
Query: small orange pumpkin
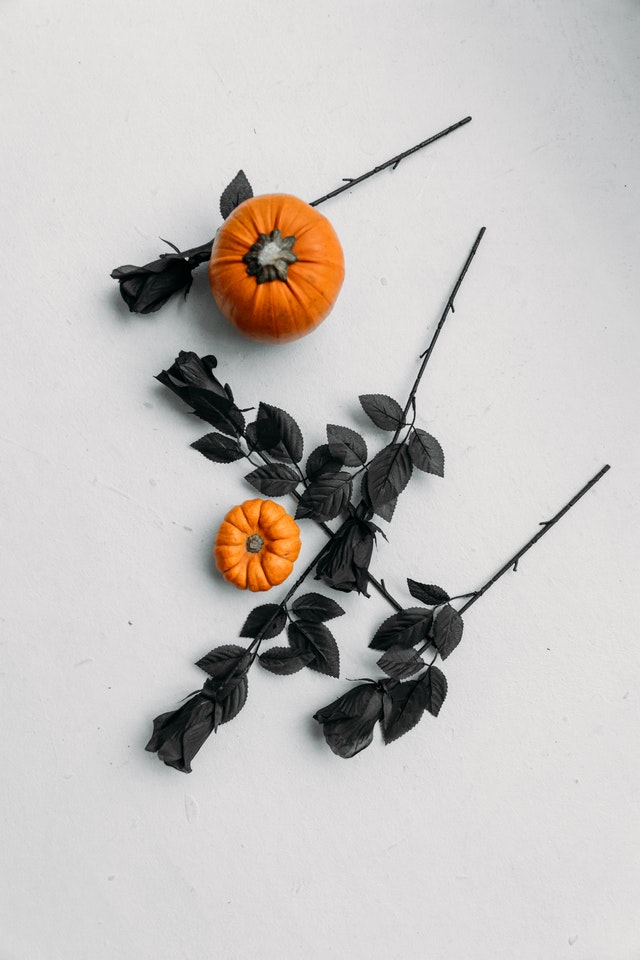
[[276, 267], [257, 545]]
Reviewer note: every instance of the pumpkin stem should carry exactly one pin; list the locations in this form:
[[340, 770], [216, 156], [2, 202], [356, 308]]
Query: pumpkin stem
[[254, 543], [270, 256]]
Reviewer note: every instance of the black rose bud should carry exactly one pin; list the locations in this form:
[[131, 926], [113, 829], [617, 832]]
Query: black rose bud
[[146, 289], [189, 371], [348, 722], [179, 734], [191, 378], [344, 564]]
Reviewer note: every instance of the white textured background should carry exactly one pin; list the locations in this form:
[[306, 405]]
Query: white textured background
[[509, 827]]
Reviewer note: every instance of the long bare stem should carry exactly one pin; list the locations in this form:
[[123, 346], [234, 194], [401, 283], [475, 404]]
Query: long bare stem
[[449, 308], [545, 527], [393, 162]]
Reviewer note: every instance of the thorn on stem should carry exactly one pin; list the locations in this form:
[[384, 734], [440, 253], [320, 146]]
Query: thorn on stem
[[515, 567]]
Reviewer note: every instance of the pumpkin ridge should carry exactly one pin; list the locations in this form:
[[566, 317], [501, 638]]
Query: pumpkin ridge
[[237, 574], [277, 568], [251, 510], [298, 282]]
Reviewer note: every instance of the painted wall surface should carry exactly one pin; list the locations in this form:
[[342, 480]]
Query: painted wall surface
[[508, 827]]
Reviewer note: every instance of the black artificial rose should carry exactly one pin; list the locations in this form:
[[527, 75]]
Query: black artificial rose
[[344, 564], [189, 371], [146, 289], [348, 722], [191, 377], [178, 735]]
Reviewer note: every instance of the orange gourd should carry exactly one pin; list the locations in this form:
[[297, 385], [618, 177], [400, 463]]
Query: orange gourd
[[276, 267], [257, 545]]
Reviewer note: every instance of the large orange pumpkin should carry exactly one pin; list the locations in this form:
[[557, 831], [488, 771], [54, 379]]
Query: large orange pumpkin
[[276, 267], [257, 545]]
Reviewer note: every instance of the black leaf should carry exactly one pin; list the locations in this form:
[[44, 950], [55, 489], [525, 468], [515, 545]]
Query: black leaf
[[388, 474], [274, 479], [263, 438], [349, 721], [229, 698], [232, 196], [316, 607], [384, 411], [403, 629], [219, 448], [325, 497], [278, 434], [435, 684], [447, 630], [225, 661], [426, 453], [317, 639], [285, 660], [427, 593], [347, 445], [408, 703], [384, 510], [400, 662], [321, 461], [265, 621]]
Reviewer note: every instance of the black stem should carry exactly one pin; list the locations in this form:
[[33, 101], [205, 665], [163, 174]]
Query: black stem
[[200, 252], [389, 163], [305, 573], [448, 308], [205, 248], [546, 526]]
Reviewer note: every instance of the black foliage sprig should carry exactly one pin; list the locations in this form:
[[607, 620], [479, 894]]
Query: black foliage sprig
[[179, 734], [397, 702], [146, 289]]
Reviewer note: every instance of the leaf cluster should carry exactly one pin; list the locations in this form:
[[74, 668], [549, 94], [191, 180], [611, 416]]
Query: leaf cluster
[[413, 687], [435, 624], [390, 471], [310, 642]]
